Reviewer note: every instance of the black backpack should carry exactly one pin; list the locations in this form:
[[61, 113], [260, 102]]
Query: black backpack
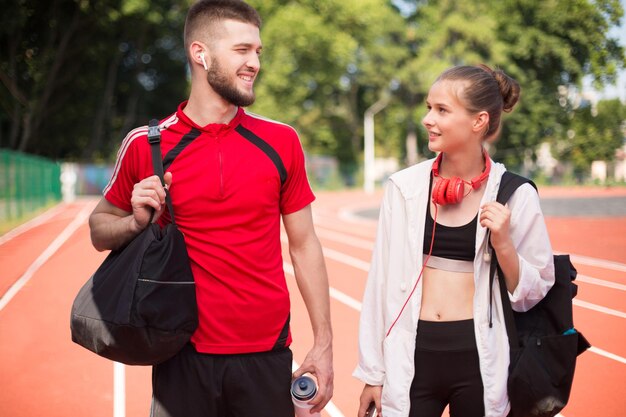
[[543, 342]]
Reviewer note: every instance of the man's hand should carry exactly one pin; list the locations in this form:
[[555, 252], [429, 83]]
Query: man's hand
[[319, 362], [148, 195], [312, 279], [111, 227]]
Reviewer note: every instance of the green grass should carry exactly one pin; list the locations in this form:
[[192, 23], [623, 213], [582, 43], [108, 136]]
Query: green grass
[[10, 224]]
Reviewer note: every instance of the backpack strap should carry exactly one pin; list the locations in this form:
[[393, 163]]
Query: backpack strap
[[154, 138], [508, 184]]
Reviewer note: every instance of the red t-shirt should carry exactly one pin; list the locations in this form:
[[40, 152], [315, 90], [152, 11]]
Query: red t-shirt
[[228, 199]]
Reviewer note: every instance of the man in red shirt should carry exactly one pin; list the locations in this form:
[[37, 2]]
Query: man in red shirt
[[231, 175]]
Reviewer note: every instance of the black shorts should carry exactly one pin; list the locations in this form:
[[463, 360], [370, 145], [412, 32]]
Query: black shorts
[[193, 384], [447, 371]]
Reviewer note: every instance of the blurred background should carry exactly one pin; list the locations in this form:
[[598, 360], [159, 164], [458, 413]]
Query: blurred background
[[77, 75]]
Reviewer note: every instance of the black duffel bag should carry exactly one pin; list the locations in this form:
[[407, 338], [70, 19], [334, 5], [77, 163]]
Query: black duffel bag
[[139, 307]]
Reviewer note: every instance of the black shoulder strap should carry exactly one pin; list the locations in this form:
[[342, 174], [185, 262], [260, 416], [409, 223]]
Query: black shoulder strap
[[267, 149], [154, 138], [508, 184]]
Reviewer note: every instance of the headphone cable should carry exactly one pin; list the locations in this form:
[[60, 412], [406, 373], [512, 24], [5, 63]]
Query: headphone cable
[[430, 251]]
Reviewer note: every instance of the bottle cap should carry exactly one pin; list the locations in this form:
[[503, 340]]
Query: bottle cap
[[303, 388]]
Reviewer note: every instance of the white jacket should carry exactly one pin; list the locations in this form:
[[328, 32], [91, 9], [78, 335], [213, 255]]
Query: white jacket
[[395, 265]]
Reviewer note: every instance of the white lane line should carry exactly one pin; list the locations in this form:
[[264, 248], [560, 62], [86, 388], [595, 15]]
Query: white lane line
[[345, 299], [344, 238], [346, 259], [600, 309], [600, 282], [119, 389], [587, 260], [607, 354], [334, 293], [338, 256], [78, 221], [346, 228]]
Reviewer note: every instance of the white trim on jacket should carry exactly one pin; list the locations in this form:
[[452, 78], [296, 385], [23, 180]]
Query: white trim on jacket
[[394, 268]]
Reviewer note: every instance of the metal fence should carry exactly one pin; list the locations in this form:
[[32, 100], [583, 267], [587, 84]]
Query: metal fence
[[27, 183]]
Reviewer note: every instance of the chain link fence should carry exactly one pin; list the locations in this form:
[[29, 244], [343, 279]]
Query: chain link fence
[[27, 184]]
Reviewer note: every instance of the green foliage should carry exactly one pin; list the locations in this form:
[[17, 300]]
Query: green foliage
[[550, 44], [593, 134], [77, 75], [323, 64]]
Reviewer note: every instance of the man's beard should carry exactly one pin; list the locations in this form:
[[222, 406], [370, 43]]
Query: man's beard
[[218, 80]]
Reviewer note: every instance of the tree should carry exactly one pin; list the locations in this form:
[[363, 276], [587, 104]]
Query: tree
[[442, 34], [74, 73], [594, 133], [324, 62], [552, 44]]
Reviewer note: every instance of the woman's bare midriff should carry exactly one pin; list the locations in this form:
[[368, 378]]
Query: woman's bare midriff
[[447, 296]]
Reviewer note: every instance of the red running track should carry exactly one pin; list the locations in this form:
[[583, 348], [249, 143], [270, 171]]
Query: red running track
[[42, 373]]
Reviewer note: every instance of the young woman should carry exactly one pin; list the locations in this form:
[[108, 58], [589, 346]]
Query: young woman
[[430, 336]]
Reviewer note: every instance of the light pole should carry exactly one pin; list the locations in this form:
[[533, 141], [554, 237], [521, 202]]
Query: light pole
[[368, 144]]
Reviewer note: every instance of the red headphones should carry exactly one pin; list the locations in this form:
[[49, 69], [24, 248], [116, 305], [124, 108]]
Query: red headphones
[[452, 191]]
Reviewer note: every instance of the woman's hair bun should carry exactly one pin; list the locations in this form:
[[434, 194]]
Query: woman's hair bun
[[509, 88]]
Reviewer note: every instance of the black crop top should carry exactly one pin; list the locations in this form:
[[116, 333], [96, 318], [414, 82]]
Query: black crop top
[[457, 243]]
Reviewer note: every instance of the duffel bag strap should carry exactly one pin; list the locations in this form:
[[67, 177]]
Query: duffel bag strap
[[154, 138]]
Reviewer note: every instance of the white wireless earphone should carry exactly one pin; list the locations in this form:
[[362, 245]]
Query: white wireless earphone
[[201, 56]]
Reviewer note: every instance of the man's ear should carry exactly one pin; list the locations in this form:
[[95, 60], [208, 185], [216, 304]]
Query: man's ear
[[197, 52]]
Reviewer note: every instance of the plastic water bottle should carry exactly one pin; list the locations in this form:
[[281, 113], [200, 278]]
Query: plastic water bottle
[[303, 390]]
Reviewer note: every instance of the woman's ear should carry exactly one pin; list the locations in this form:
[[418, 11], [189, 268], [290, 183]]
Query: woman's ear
[[481, 122]]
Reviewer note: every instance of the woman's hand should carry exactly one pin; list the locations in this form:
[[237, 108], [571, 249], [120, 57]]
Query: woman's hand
[[371, 394], [496, 217]]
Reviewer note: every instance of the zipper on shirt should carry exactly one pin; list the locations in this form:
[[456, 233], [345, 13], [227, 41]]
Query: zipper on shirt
[[221, 166]]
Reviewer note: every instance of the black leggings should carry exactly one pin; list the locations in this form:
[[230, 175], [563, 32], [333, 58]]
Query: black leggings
[[446, 371]]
